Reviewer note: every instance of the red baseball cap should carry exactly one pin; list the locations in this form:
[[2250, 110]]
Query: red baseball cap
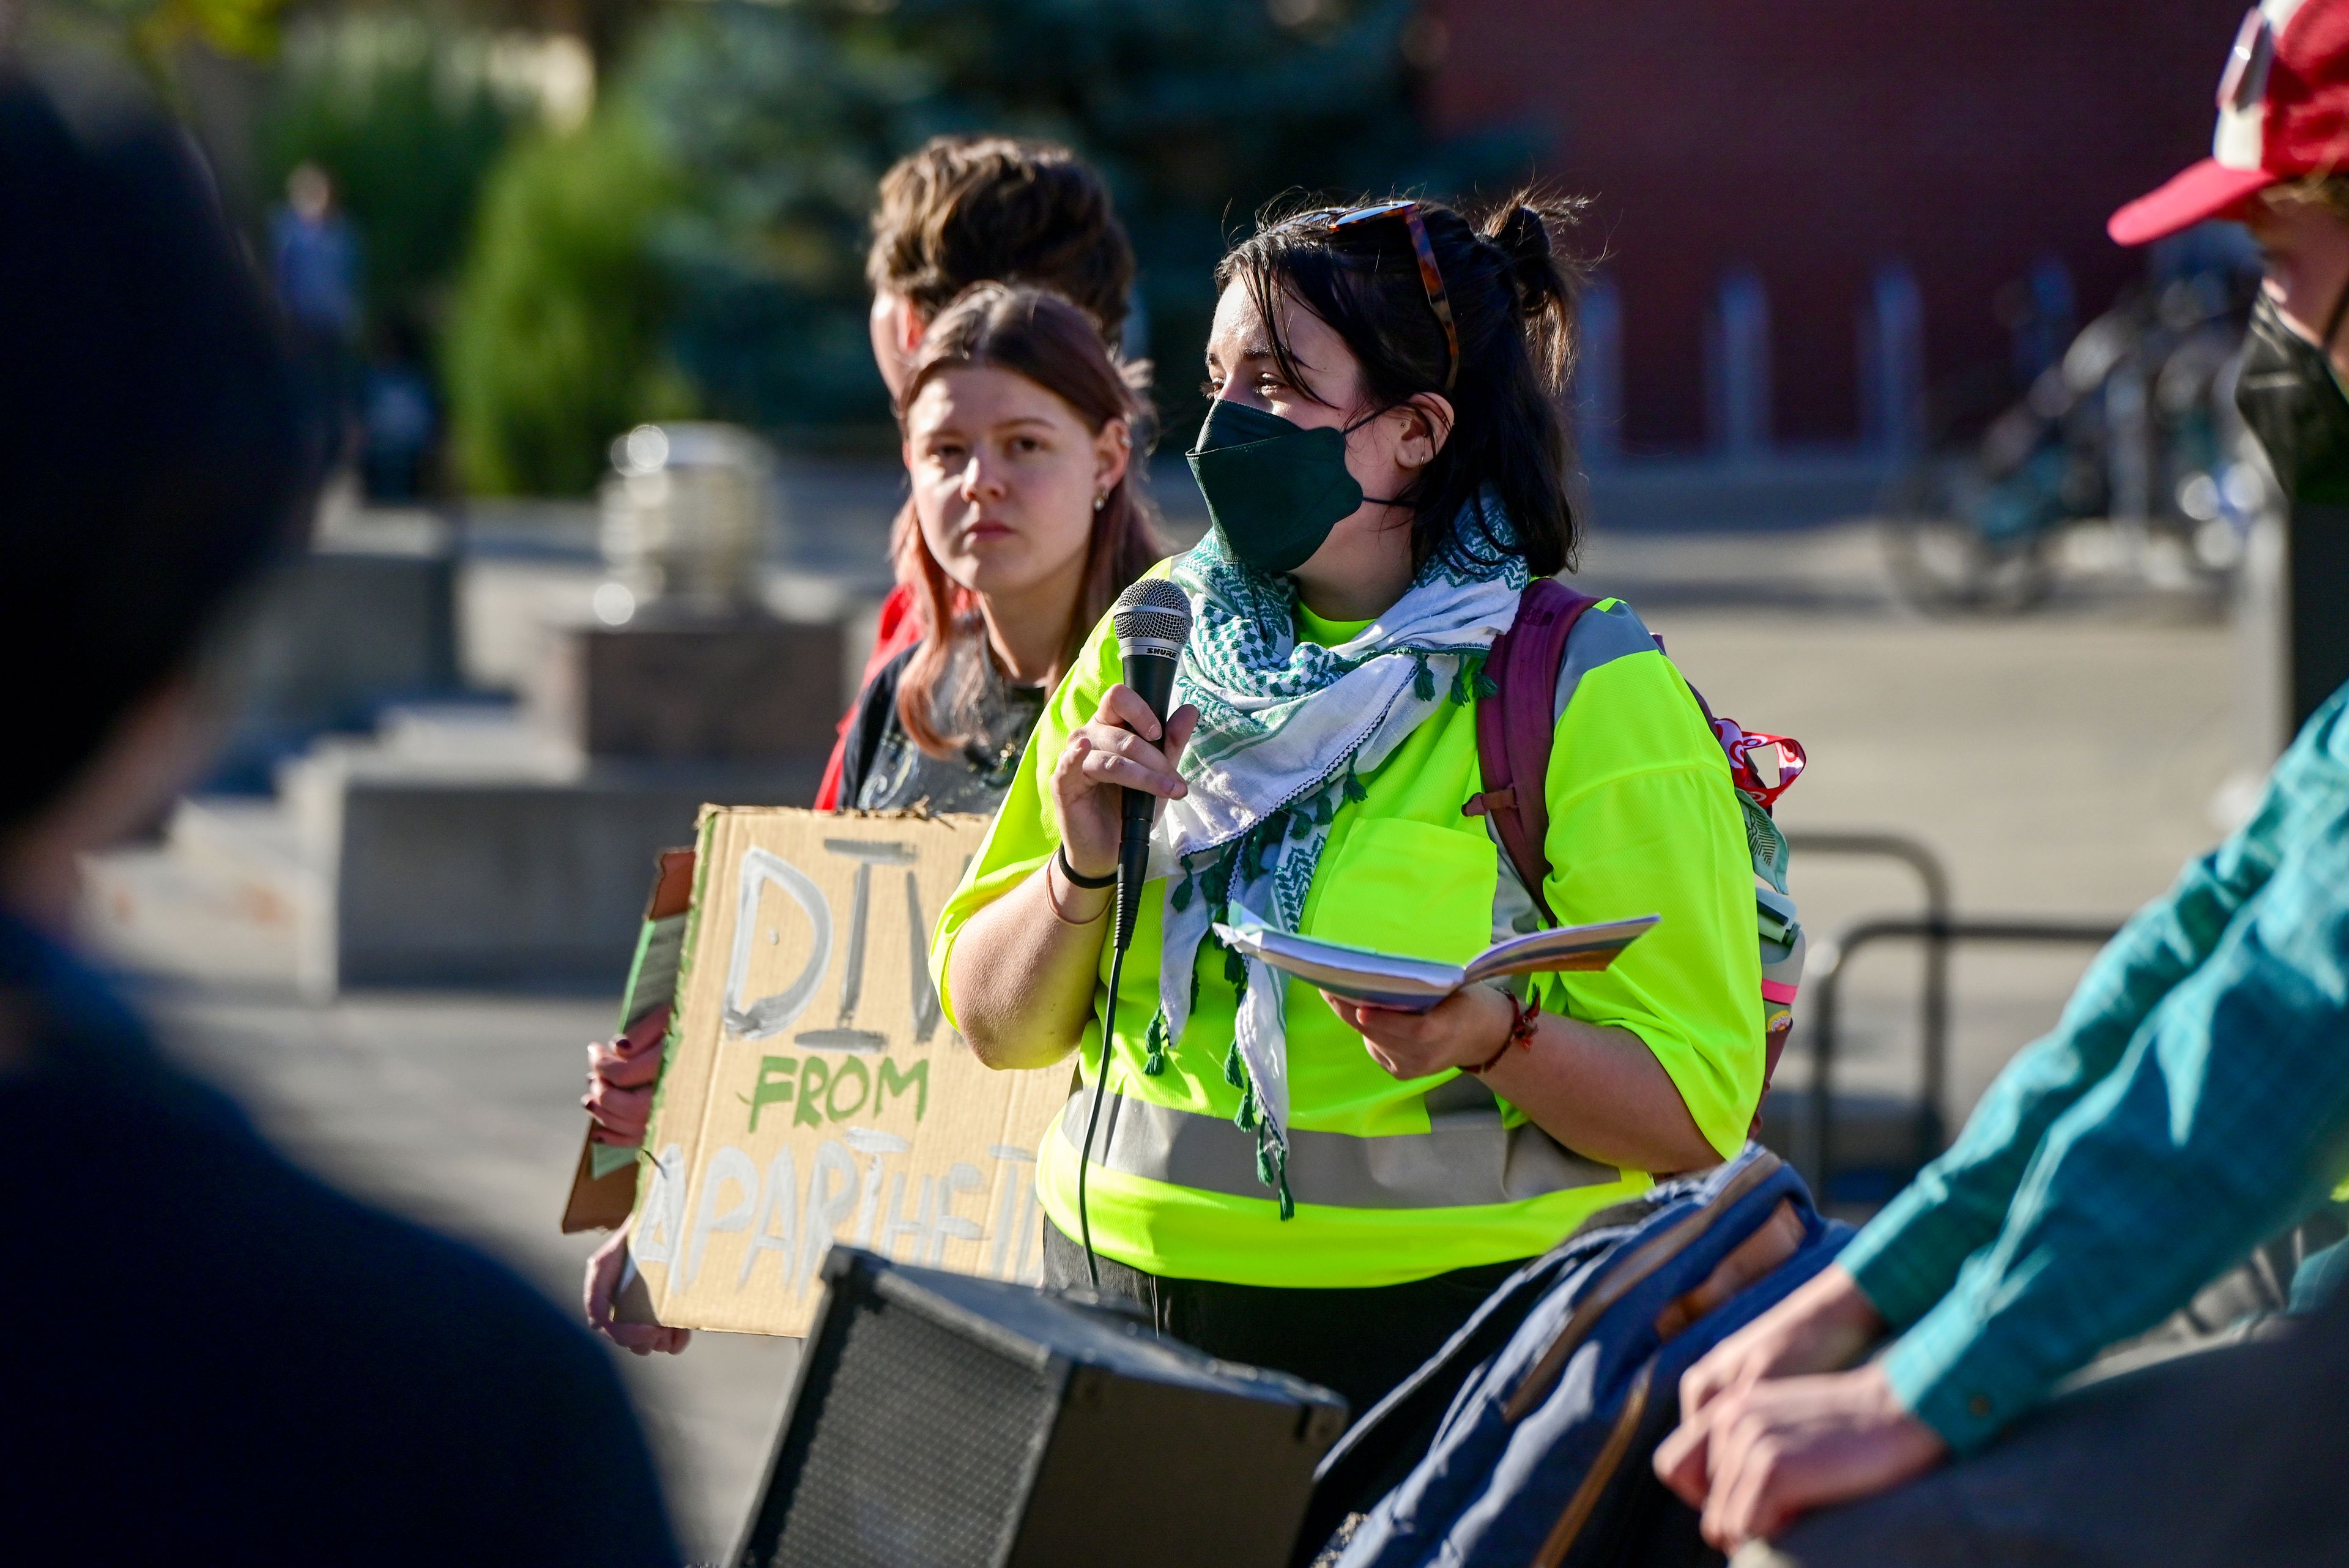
[[2283, 112]]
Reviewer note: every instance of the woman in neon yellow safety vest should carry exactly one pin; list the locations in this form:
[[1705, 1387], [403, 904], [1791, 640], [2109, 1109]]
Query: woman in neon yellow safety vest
[[1281, 1179]]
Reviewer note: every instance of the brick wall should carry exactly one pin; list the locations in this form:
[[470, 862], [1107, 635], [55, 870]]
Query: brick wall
[[1814, 138]]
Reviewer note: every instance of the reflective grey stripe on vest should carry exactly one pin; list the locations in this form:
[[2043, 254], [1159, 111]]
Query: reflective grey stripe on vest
[[1466, 1158], [1600, 637]]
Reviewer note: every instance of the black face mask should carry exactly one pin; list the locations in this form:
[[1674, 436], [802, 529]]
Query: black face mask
[[1273, 489], [2291, 401]]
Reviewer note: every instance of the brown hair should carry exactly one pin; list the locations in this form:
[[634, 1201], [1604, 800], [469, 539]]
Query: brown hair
[[1043, 337], [1512, 294], [2326, 190], [965, 210]]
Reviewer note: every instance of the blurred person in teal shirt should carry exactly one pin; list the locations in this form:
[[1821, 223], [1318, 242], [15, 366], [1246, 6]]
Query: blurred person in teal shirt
[[2192, 1103]]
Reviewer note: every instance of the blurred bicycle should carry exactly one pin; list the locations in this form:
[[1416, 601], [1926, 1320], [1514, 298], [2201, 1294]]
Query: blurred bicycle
[[2127, 453]]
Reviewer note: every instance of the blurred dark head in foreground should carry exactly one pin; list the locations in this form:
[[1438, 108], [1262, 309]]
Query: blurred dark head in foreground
[[273, 1371], [160, 457], [963, 210]]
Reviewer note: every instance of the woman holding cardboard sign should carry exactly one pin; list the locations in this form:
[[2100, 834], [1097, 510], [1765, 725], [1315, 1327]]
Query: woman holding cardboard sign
[[958, 210], [1305, 1184], [1029, 523]]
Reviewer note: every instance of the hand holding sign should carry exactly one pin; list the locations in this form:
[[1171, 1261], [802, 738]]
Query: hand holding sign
[[621, 1074], [606, 1271]]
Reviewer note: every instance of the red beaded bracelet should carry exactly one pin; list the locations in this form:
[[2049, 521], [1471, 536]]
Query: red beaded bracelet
[[1521, 1032]]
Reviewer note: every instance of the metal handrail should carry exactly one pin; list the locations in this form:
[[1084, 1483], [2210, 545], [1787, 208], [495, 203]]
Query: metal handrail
[[1933, 996], [1897, 846], [1823, 975]]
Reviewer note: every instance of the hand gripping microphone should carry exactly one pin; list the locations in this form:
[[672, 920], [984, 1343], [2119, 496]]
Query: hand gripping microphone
[[1152, 622]]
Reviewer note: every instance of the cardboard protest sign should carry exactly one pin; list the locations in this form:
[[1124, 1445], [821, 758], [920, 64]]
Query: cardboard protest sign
[[604, 1184], [813, 1092]]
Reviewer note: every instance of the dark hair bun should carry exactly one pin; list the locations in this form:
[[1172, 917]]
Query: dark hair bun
[[1521, 235]]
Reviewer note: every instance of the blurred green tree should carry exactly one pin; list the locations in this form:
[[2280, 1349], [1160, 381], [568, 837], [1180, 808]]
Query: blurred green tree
[[1198, 111], [771, 123], [152, 33], [554, 340]]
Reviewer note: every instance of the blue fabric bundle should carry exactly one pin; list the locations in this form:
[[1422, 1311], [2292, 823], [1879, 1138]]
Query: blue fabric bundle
[[1560, 1386]]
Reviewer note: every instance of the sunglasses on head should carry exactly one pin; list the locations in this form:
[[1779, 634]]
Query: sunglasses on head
[[1431, 277]]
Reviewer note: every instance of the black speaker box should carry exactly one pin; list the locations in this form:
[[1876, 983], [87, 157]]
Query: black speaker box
[[941, 1421]]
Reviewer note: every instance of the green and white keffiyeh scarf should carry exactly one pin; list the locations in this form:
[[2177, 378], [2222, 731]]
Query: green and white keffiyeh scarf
[[1285, 730]]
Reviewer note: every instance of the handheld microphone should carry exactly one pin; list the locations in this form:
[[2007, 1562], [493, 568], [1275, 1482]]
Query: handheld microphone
[[1152, 622]]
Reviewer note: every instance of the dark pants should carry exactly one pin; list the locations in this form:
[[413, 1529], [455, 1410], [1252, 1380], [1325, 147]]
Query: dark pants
[[1358, 1342], [2226, 1457], [2200, 1461]]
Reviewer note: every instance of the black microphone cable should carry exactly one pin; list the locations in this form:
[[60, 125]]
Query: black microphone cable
[[1152, 622], [1120, 934]]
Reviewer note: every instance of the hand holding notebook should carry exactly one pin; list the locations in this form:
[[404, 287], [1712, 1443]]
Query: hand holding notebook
[[1412, 985]]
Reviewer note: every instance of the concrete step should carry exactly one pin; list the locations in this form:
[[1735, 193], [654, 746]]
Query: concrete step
[[252, 862], [453, 864], [236, 837], [150, 910], [497, 737]]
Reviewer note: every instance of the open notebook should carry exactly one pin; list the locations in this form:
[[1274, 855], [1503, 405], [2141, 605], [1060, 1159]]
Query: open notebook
[[1413, 984]]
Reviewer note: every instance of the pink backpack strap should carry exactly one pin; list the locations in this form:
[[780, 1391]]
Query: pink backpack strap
[[1516, 724]]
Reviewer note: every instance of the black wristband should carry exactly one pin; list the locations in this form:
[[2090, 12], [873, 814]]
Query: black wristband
[[1077, 878]]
